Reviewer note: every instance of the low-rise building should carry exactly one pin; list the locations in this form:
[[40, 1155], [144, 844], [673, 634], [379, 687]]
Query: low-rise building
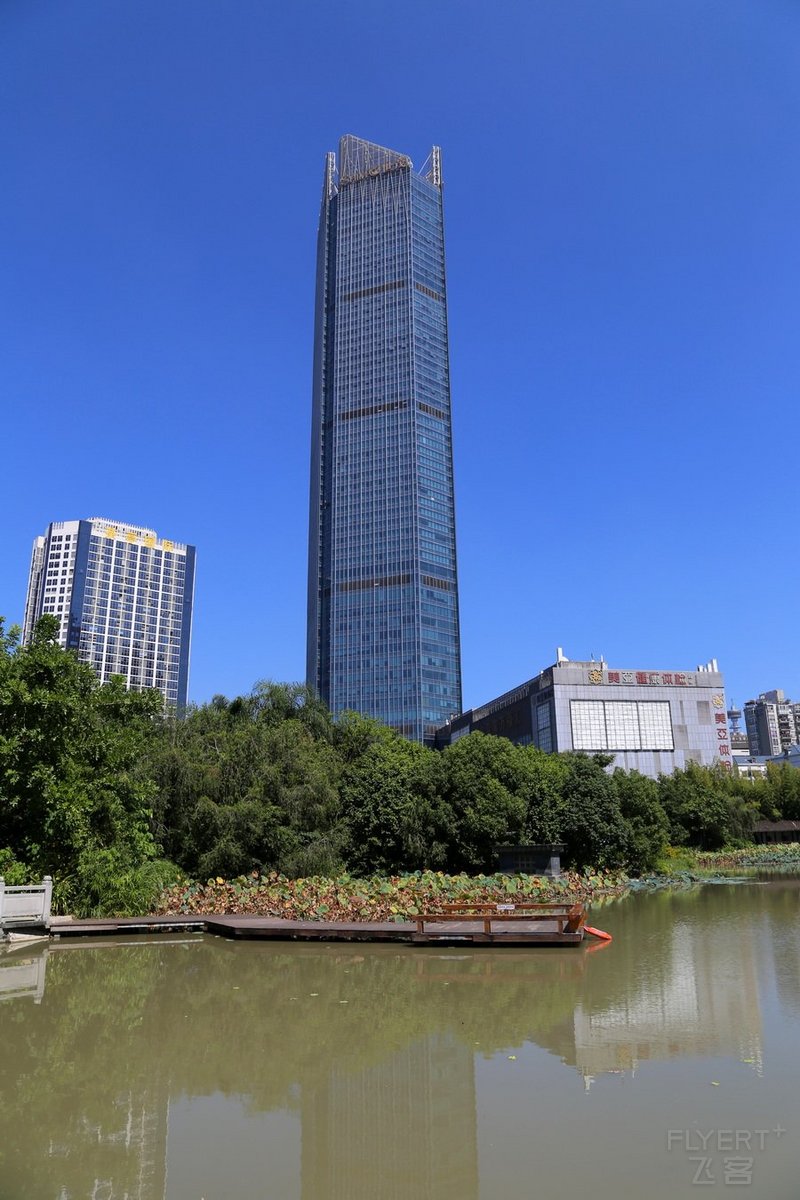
[[650, 721]]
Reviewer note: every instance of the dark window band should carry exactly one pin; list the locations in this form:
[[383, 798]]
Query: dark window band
[[445, 585], [359, 585], [372, 409], [432, 412], [373, 291]]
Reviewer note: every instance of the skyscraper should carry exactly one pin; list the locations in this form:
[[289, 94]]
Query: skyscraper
[[122, 597], [383, 629]]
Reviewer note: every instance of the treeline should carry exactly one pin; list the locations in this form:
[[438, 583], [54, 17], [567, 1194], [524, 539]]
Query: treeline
[[101, 790]]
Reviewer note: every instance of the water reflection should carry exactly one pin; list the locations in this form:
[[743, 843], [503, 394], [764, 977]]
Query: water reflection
[[695, 992], [147, 1069], [22, 972], [405, 1127], [784, 939]]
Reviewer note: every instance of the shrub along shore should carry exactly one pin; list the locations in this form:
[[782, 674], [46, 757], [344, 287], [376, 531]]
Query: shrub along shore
[[379, 898], [384, 898], [785, 855], [118, 800]]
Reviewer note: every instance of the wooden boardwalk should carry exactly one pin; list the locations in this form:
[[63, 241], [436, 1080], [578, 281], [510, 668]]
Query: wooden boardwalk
[[561, 926]]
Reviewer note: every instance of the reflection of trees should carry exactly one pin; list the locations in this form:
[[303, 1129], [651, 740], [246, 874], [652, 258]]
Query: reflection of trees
[[785, 940], [129, 1025], [72, 1074], [121, 1029]]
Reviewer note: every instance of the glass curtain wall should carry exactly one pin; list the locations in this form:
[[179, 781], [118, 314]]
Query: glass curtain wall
[[383, 633]]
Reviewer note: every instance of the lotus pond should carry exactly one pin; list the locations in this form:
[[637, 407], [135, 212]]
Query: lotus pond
[[175, 1068]]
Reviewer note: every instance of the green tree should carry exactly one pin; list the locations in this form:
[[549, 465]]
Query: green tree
[[75, 802], [250, 784], [703, 808], [592, 824], [482, 783], [353, 735], [781, 792], [541, 786], [648, 826], [395, 818]]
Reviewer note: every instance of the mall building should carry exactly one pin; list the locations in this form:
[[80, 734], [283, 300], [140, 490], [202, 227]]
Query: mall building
[[650, 721]]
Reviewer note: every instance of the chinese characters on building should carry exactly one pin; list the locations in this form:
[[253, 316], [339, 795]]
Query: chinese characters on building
[[672, 679], [130, 535]]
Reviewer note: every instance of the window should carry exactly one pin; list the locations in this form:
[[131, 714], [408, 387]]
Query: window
[[588, 725], [621, 725], [544, 735]]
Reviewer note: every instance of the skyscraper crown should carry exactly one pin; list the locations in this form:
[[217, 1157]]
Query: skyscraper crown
[[359, 159]]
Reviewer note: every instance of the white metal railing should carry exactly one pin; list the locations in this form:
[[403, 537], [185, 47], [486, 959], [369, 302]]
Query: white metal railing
[[27, 905]]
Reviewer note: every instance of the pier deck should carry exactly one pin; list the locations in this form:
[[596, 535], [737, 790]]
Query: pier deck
[[550, 925]]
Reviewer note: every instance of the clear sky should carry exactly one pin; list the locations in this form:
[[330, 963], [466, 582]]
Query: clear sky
[[622, 200]]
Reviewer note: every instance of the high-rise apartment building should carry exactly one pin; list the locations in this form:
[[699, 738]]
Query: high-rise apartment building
[[383, 629], [772, 723], [123, 599]]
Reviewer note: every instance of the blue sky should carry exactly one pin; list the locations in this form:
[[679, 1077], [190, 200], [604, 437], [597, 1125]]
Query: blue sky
[[622, 189]]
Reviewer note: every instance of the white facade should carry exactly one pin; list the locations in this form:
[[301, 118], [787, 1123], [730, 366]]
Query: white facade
[[123, 599], [648, 721], [51, 575], [651, 721]]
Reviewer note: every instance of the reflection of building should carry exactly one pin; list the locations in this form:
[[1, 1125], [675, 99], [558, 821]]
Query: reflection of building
[[651, 721], [404, 1129], [785, 942], [701, 1000], [123, 600], [117, 1148], [383, 633], [80, 1118], [125, 1157]]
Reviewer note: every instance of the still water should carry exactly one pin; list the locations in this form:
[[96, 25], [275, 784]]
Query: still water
[[175, 1069]]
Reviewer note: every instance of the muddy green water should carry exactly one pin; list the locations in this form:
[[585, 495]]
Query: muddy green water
[[664, 1062]]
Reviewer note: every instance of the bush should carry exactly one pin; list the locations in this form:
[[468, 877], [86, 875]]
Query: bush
[[106, 886], [14, 872]]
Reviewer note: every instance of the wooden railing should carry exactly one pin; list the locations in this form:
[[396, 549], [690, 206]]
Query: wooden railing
[[568, 915], [27, 905]]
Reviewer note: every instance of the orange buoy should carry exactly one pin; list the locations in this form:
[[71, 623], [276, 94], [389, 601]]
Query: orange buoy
[[598, 933]]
